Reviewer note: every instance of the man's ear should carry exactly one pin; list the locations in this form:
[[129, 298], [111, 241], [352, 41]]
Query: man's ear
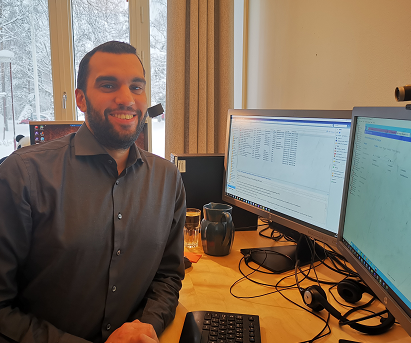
[[81, 100]]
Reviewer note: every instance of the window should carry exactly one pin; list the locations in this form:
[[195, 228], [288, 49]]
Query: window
[[25, 69]]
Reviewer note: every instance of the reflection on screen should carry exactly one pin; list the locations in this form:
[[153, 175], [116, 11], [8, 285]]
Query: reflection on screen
[[294, 166], [377, 225]]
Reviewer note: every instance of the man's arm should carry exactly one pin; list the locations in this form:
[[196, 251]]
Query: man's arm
[[161, 299], [15, 237]]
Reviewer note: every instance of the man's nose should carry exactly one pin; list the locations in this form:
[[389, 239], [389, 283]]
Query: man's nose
[[124, 97]]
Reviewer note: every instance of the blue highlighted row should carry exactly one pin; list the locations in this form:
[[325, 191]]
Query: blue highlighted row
[[401, 134]]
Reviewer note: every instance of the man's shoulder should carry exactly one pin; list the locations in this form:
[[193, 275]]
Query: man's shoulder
[[49, 149]]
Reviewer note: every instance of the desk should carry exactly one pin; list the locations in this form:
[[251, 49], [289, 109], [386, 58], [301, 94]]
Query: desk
[[206, 287]]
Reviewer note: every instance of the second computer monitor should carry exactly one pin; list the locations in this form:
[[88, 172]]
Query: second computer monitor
[[288, 166]]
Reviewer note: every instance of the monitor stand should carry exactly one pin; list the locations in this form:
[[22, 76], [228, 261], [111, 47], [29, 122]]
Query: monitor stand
[[279, 259]]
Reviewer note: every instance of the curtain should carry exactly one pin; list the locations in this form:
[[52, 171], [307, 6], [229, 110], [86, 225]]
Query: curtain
[[200, 75]]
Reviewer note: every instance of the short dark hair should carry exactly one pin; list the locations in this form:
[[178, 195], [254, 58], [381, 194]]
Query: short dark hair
[[113, 47]]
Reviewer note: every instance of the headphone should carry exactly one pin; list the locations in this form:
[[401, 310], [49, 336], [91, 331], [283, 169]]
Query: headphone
[[351, 291]]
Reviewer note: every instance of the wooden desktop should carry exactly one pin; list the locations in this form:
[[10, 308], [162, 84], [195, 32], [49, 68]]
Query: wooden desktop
[[206, 287]]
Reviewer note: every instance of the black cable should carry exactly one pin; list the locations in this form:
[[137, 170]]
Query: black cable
[[275, 235], [246, 277], [279, 289], [338, 265], [271, 236], [311, 246], [348, 322]]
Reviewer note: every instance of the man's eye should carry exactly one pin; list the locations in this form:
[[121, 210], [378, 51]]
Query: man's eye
[[137, 88], [107, 86]]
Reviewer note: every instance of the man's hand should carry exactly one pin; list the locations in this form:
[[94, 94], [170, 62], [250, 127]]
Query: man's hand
[[134, 332]]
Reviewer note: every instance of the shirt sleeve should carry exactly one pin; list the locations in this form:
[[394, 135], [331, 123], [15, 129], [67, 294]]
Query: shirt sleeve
[[159, 305], [15, 236]]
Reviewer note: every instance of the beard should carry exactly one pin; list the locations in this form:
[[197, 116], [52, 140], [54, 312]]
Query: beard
[[104, 131]]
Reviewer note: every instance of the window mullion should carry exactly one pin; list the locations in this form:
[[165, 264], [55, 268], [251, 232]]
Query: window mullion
[[62, 59], [139, 17]]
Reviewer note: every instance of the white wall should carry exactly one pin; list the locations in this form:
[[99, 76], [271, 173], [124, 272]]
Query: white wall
[[326, 54]]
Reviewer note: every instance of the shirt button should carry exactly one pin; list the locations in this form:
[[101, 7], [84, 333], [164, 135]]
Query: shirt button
[[118, 252], [117, 182], [108, 327], [110, 161], [119, 216], [113, 289]]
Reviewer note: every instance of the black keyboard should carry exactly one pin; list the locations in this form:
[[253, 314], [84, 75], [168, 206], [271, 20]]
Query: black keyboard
[[220, 327]]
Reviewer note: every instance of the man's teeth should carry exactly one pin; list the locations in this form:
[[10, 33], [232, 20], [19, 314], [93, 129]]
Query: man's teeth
[[123, 116]]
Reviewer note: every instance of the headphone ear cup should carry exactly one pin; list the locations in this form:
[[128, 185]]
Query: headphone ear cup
[[315, 298], [312, 296], [350, 290]]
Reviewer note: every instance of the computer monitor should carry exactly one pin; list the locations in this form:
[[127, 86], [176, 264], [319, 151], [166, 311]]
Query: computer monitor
[[375, 227], [288, 166], [45, 131]]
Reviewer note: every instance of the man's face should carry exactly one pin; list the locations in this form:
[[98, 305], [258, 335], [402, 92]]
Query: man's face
[[115, 103]]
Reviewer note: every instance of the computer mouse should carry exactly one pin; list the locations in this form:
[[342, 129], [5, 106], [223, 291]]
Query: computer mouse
[[187, 263]]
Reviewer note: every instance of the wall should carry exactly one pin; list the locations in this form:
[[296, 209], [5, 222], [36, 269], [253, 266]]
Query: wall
[[322, 54]]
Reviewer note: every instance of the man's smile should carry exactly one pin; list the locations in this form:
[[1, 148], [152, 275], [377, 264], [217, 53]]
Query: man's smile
[[122, 115]]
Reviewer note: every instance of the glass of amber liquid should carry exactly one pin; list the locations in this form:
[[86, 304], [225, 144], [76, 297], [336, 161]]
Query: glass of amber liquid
[[192, 227]]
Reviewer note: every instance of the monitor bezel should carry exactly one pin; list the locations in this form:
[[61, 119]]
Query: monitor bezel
[[392, 305], [310, 230]]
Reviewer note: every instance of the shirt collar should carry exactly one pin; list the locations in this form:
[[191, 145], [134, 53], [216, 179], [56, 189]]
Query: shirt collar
[[85, 144]]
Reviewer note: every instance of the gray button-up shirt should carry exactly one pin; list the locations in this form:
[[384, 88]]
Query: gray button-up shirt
[[82, 249]]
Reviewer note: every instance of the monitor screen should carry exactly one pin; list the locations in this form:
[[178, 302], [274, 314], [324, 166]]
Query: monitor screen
[[45, 131], [375, 226], [288, 166]]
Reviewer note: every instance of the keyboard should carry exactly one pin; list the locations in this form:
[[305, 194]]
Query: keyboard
[[220, 327]]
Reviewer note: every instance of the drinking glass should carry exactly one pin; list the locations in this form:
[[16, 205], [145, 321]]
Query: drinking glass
[[192, 227]]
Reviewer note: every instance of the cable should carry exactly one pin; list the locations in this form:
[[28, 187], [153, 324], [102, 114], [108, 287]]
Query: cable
[[280, 289], [246, 277], [275, 235]]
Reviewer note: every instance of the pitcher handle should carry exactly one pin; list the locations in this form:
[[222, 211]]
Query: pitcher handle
[[228, 219]]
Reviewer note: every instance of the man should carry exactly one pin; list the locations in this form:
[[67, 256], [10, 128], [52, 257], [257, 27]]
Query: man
[[91, 227]]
